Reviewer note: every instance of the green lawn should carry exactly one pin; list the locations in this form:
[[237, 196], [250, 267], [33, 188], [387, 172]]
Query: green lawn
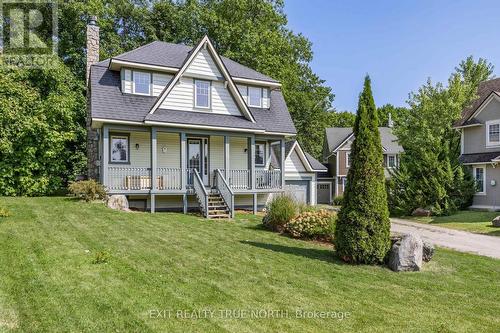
[[467, 220], [177, 262]]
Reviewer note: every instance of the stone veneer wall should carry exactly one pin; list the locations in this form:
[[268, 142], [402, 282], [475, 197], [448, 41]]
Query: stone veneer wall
[[92, 137]]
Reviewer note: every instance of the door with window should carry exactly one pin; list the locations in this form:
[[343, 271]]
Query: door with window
[[197, 156]]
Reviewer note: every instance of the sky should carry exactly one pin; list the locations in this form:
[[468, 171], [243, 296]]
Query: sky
[[399, 43]]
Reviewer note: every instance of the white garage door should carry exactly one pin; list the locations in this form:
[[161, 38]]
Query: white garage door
[[298, 189]]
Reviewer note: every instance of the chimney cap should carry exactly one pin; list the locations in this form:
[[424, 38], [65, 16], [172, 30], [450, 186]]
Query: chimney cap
[[93, 20]]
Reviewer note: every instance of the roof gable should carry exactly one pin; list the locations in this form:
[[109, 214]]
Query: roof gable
[[483, 91]]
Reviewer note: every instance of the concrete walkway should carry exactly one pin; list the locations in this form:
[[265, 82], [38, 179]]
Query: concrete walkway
[[453, 239]]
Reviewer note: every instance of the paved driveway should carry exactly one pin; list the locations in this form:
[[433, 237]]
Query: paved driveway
[[454, 239]]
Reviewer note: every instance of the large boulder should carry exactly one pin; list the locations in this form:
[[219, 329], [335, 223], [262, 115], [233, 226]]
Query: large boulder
[[118, 202], [406, 253], [427, 252], [496, 222], [421, 212]]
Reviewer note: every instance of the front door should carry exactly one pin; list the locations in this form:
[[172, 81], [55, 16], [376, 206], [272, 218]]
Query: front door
[[198, 157]]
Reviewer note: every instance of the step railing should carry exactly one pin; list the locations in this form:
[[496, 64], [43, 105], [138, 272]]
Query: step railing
[[201, 192], [225, 191], [267, 179]]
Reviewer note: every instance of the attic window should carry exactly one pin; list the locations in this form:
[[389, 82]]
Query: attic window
[[202, 94], [255, 97], [142, 82]]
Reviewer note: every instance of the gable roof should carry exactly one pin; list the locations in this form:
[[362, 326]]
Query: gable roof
[[484, 90], [165, 54], [336, 137], [311, 164]]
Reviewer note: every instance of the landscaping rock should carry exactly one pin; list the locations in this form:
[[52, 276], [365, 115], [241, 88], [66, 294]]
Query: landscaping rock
[[406, 254], [118, 202], [421, 212], [496, 222], [427, 252]]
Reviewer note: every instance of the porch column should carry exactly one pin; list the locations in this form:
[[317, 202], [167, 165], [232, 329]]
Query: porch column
[[105, 154], [184, 203], [154, 169], [183, 162], [255, 203], [226, 156], [251, 160], [282, 162]]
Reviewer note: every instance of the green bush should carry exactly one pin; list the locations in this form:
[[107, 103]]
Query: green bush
[[313, 225], [338, 200], [87, 190], [281, 210], [101, 257], [4, 212]]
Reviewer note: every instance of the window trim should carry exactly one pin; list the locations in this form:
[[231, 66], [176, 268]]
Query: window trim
[[488, 124], [347, 159], [259, 143], [133, 82], [249, 99], [119, 135], [209, 104], [483, 167]]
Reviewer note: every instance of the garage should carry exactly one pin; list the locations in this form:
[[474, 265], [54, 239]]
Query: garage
[[298, 189], [324, 192]]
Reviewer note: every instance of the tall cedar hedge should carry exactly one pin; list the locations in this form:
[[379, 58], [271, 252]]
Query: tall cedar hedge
[[363, 229]]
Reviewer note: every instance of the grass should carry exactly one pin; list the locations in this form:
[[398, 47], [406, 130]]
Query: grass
[[467, 220], [171, 262]]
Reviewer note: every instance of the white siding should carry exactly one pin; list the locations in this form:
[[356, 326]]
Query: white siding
[[126, 81], [244, 92], [238, 158], [265, 98], [181, 97], [204, 65], [140, 157], [172, 157], [216, 153], [159, 82], [293, 164]]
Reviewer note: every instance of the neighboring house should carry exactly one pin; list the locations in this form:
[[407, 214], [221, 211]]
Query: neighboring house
[[175, 127], [336, 156], [480, 144]]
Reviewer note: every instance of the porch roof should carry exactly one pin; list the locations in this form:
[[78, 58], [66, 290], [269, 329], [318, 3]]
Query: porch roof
[[479, 158]]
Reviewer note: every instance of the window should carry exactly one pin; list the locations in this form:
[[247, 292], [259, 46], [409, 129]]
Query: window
[[260, 154], [480, 177], [202, 94], [493, 133], [254, 97], [391, 161], [142, 82], [344, 183], [347, 160], [119, 150]]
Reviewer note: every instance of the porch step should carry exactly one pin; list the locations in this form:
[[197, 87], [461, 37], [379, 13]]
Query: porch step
[[217, 207]]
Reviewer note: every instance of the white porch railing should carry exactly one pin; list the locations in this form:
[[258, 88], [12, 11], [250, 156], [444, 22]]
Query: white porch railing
[[169, 178], [267, 179], [239, 179], [128, 178]]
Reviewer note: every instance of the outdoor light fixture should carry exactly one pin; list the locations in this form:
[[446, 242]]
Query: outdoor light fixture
[[164, 150], [245, 150], [137, 146]]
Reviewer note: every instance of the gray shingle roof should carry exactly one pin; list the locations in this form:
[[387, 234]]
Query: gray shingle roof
[[479, 158], [316, 165], [173, 55], [337, 135], [108, 102], [483, 91]]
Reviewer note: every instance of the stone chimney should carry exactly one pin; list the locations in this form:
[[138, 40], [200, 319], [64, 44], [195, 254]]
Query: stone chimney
[[390, 123], [92, 134]]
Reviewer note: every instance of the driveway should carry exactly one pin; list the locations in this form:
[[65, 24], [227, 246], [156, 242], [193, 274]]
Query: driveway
[[453, 239]]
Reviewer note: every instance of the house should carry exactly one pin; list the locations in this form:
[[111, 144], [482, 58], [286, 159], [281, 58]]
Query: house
[[175, 127], [336, 156], [480, 144]]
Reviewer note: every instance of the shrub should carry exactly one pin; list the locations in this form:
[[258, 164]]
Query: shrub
[[313, 225], [101, 257], [4, 212], [87, 190], [338, 200], [281, 210]]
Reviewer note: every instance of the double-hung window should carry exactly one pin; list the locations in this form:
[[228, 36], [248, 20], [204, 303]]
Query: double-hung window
[[142, 83], [391, 161], [119, 149], [493, 133], [255, 97], [202, 94], [260, 154], [480, 178], [348, 160]]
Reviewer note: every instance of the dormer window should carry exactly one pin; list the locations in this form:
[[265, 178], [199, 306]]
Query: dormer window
[[255, 97], [142, 83], [202, 94], [493, 133]]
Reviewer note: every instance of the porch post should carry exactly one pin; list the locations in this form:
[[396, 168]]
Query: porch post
[[184, 203], [183, 162], [282, 164], [251, 158], [226, 156], [105, 154], [255, 203], [154, 169]]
